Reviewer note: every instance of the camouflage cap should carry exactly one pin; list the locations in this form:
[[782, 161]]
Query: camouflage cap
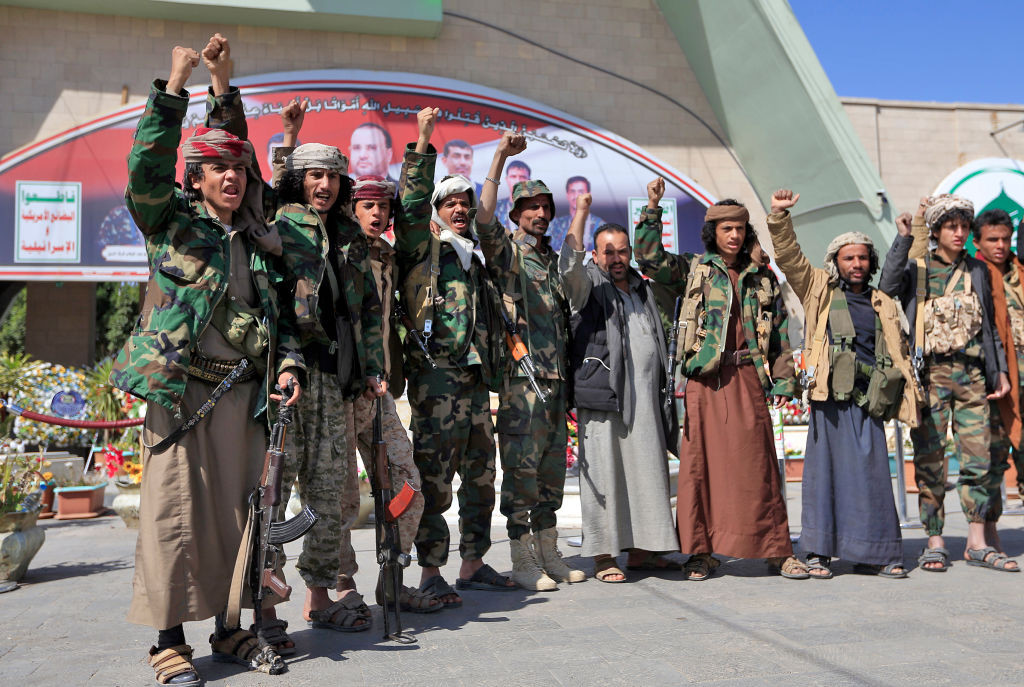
[[529, 189]]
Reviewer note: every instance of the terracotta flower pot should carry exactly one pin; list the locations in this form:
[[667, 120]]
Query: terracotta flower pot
[[75, 503], [20, 540]]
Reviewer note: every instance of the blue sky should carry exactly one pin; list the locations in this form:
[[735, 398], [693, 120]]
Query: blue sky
[[941, 50]]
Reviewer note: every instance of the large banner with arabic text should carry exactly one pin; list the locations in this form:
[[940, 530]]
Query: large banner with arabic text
[[62, 198]]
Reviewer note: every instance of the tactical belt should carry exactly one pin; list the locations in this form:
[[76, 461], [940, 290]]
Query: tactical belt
[[736, 358], [216, 371], [236, 374]]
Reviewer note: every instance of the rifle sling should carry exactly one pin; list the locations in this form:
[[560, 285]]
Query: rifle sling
[[203, 411]]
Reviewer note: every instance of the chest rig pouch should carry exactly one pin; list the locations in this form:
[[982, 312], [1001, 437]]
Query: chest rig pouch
[[952, 319], [344, 344], [885, 382], [694, 310], [419, 291]]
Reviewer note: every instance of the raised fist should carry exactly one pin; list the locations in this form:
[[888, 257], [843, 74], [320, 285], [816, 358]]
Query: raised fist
[[583, 202], [903, 224], [783, 199], [292, 116], [217, 53], [655, 190], [922, 206], [426, 119], [183, 61], [512, 144]]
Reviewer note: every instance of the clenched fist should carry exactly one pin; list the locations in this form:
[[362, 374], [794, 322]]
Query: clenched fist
[[655, 191], [783, 199], [183, 61]]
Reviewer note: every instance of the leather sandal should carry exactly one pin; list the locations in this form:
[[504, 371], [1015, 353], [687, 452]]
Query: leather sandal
[[700, 566], [605, 568], [174, 662], [273, 632], [243, 647], [343, 615]]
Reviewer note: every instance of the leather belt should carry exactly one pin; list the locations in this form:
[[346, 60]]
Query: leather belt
[[736, 358], [216, 371]]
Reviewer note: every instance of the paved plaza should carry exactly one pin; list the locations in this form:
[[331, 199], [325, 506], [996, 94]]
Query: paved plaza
[[65, 625]]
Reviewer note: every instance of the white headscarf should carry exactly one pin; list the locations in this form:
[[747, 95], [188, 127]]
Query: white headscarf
[[448, 186]]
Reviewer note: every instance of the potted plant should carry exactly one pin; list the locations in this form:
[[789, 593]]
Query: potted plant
[[81, 500], [129, 493], [20, 536]]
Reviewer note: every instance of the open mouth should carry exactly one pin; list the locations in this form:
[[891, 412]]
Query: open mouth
[[459, 221], [230, 191]]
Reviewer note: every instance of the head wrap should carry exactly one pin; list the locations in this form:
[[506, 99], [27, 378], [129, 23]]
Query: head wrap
[[937, 206], [371, 187], [447, 187], [850, 238], [735, 213], [529, 189], [317, 156], [211, 145], [206, 145]]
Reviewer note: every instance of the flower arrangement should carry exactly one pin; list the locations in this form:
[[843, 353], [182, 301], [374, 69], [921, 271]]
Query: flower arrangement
[[795, 413], [118, 467], [572, 447], [134, 471], [20, 488]]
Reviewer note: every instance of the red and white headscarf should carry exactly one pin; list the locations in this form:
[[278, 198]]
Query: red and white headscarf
[[372, 187]]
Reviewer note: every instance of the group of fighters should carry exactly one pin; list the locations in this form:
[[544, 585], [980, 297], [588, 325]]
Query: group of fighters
[[292, 285]]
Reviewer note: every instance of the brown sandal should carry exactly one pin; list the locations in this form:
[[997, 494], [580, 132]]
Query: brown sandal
[[243, 647], [605, 567], [172, 662], [791, 568]]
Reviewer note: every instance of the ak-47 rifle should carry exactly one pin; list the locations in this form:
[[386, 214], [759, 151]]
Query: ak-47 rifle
[[520, 353], [673, 345], [387, 508], [406, 321], [267, 545]]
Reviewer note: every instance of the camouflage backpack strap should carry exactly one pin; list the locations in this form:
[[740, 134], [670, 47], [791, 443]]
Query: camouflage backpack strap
[[842, 359]]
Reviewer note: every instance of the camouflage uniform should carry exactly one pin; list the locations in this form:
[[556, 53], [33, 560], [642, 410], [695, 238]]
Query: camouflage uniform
[[764, 318], [318, 445], [532, 435], [196, 491], [451, 421], [360, 415], [955, 384]]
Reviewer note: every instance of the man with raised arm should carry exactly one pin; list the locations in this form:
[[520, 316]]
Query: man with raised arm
[[329, 287], [947, 297], [858, 375], [531, 431], [445, 294], [734, 351], [618, 359], [374, 201], [210, 333]]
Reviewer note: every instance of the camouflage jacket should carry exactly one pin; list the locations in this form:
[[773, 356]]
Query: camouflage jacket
[[300, 231], [463, 316], [306, 251], [188, 253], [764, 317], [533, 294]]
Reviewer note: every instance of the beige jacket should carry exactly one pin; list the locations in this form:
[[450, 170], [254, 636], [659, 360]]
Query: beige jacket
[[815, 293]]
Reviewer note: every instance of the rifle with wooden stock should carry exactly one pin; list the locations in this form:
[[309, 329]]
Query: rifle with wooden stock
[[387, 508]]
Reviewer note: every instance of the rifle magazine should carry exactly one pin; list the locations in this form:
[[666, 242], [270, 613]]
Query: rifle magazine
[[290, 530]]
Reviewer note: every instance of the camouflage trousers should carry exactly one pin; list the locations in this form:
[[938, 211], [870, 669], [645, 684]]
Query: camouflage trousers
[[453, 433], [360, 432], [318, 455], [1000, 453], [956, 389], [532, 437]]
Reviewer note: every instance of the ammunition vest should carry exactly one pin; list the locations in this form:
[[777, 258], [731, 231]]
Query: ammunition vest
[[885, 382], [947, 322], [693, 314]]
